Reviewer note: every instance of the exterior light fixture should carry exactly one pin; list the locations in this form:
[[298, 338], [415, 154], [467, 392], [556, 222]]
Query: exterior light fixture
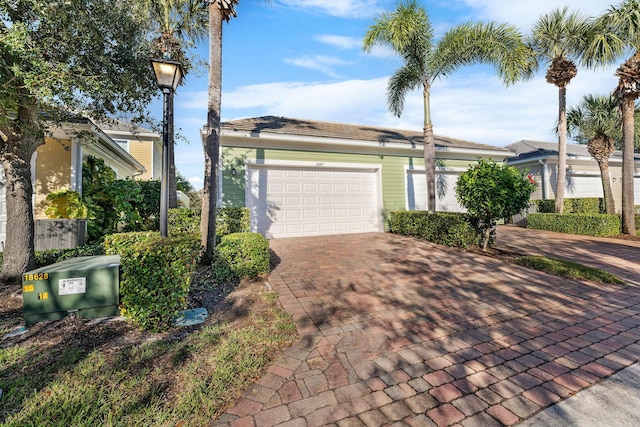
[[169, 75]]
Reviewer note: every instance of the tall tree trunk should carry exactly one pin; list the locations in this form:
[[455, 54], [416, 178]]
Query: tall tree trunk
[[212, 144], [628, 215], [429, 143], [562, 148], [19, 255], [603, 164]]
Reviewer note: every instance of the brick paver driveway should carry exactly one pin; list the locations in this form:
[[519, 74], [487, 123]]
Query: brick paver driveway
[[394, 330]]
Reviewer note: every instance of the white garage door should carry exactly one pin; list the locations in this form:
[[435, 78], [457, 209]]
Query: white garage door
[[636, 191], [446, 200], [292, 201], [580, 186]]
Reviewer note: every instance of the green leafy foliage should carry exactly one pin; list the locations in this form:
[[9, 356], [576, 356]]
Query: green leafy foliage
[[599, 225], [53, 256], [491, 191], [183, 220], [156, 275], [590, 205], [118, 205], [232, 220], [442, 228], [65, 203], [228, 220], [240, 255]]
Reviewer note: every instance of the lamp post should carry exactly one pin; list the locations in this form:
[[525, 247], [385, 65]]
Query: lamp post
[[169, 74]]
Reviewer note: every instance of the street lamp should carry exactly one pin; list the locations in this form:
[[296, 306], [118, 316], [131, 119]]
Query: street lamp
[[169, 74]]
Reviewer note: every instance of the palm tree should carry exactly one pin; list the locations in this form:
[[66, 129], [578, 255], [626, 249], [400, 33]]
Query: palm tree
[[596, 122], [219, 11], [620, 34], [560, 38], [409, 33], [180, 24]]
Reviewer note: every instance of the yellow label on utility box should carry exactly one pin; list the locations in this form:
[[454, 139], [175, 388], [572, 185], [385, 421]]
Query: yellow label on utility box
[[36, 276], [43, 295], [28, 288]]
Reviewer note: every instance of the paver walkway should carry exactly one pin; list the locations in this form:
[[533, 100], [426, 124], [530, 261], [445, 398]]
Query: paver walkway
[[400, 332]]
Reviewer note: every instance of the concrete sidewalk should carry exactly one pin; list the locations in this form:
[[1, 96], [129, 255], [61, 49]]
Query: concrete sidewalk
[[395, 331]]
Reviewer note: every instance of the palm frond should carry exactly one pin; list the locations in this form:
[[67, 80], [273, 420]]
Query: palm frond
[[499, 44], [404, 80], [561, 33]]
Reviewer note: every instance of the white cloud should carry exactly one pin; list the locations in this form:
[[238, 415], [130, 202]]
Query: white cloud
[[341, 42], [524, 13], [321, 63], [339, 8]]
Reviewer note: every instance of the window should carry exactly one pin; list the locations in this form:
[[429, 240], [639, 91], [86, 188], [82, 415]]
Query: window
[[123, 143]]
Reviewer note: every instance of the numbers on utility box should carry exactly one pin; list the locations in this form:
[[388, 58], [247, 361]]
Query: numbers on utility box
[[35, 276]]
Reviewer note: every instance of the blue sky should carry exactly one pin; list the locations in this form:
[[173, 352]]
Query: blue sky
[[303, 59]]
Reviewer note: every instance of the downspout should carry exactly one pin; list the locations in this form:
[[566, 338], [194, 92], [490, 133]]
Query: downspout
[[544, 178]]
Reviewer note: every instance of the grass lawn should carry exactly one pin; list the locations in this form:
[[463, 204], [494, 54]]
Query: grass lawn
[[109, 374]]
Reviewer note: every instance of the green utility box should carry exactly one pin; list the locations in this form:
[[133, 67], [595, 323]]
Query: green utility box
[[86, 286]]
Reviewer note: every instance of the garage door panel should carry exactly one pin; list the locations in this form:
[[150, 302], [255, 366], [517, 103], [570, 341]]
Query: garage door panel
[[316, 201]]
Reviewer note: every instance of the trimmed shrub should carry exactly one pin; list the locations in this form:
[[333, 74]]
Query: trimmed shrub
[[588, 205], [183, 220], [599, 225], [228, 221], [156, 275], [232, 220], [53, 256], [240, 255], [448, 229]]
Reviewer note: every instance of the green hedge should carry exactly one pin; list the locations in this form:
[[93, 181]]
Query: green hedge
[[228, 221], [589, 205], [156, 275], [599, 225], [449, 229], [240, 255], [52, 256]]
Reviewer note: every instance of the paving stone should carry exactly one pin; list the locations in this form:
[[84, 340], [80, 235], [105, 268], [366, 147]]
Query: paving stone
[[244, 407], [377, 399], [481, 419], [541, 396], [272, 416], [521, 406], [374, 418], [526, 381], [482, 379], [502, 414], [445, 393], [438, 378], [351, 422], [489, 396], [396, 411], [326, 415], [420, 420], [445, 415], [470, 404], [421, 403], [506, 389]]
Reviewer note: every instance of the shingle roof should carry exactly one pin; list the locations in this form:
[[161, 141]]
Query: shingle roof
[[525, 149], [312, 128]]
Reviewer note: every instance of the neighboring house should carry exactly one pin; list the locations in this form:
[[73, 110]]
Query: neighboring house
[[57, 164], [303, 177], [583, 174], [142, 144]]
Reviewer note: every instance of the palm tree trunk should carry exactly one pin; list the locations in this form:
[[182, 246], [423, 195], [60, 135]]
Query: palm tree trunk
[[562, 148], [606, 186], [212, 144], [628, 214], [429, 143]]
